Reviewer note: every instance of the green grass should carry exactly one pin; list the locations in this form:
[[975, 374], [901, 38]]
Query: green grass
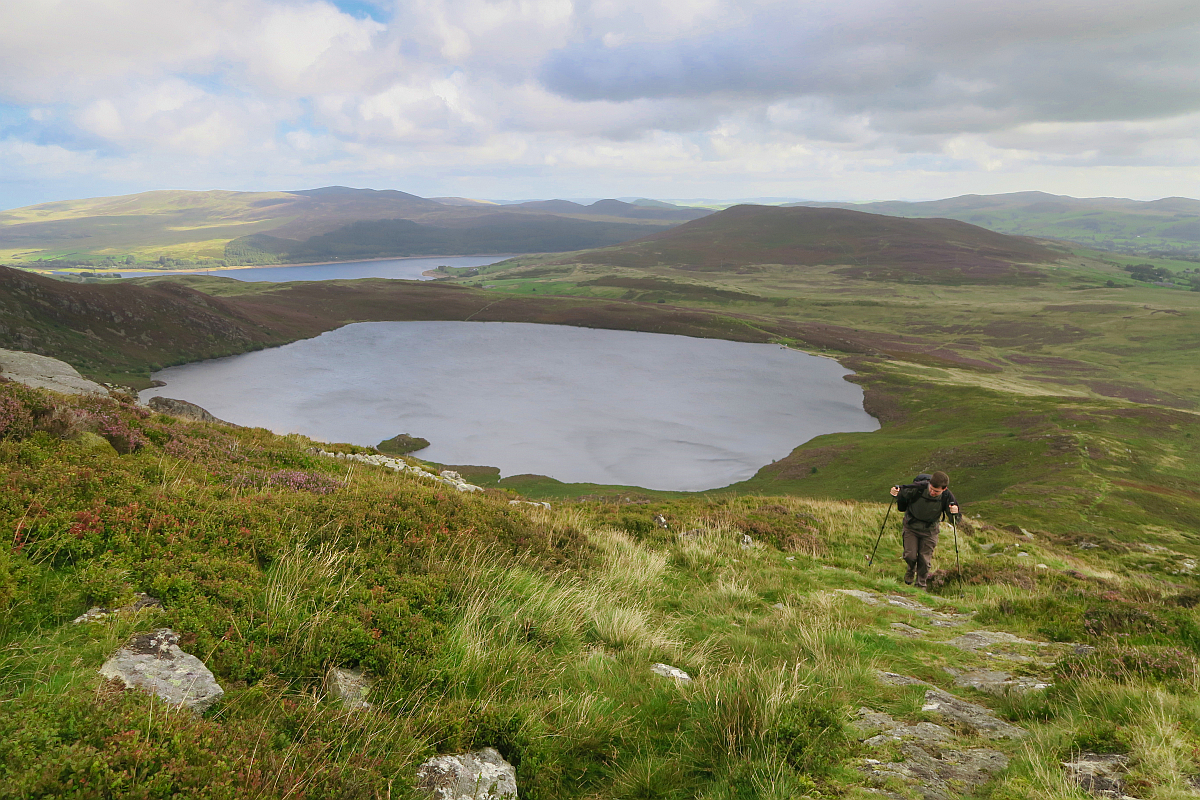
[[528, 629]]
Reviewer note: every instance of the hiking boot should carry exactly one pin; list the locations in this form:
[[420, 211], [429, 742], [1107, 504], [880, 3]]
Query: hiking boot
[[910, 575]]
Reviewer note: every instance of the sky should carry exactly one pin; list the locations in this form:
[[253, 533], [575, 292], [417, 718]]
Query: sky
[[519, 99]]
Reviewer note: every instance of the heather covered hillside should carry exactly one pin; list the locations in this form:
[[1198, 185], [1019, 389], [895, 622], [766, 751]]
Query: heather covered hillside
[[721, 647]]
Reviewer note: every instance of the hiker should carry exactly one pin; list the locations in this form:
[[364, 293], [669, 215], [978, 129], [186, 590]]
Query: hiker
[[923, 502]]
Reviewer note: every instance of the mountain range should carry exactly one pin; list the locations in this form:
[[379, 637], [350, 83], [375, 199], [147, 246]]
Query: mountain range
[[182, 226]]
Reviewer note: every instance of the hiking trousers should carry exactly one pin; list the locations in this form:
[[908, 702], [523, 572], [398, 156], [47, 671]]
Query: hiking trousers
[[918, 552]]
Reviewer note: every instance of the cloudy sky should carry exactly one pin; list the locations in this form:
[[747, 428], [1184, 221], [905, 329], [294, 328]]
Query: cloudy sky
[[851, 100]]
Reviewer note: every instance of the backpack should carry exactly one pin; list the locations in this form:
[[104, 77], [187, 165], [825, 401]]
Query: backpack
[[901, 500]]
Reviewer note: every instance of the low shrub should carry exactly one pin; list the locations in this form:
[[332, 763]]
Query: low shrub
[[1132, 664]]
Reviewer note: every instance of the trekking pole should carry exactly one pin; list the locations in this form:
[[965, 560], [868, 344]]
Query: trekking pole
[[957, 562], [880, 537]]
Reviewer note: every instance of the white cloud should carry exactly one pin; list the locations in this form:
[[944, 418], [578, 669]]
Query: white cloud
[[800, 95]]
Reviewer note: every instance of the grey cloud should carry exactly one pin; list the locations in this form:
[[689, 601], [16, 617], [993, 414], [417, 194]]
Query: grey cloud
[[919, 67]]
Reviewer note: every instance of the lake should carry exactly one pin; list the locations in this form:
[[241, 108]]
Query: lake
[[578, 404], [402, 268]]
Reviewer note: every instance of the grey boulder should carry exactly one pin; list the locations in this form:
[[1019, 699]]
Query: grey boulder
[[1101, 775], [43, 372], [674, 673], [154, 663], [349, 687], [182, 408], [481, 775]]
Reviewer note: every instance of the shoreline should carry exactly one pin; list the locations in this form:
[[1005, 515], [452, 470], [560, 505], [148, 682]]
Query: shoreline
[[194, 270]]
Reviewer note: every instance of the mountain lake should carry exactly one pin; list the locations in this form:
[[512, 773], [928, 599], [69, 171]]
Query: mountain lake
[[577, 404], [410, 269]]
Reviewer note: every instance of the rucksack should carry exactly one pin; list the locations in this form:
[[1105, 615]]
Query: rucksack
[[901, 501]]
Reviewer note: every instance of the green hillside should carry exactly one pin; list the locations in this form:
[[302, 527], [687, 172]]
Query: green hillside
[[531, 630], [1169, 227]]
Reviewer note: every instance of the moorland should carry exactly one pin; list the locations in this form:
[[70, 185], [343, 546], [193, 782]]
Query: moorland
[[1057, 390]]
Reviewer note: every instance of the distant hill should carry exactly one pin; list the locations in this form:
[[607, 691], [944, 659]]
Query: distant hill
[[494, 233], [196, 227], [642, 210], [463, 201], [1167, 227], [868, 245]]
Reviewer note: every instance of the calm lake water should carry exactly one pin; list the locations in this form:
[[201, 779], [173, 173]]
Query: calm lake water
[[577, 404], [404, 268]]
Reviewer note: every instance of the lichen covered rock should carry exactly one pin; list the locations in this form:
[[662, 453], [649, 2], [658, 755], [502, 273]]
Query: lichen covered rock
[[481, 775], [154, 663]]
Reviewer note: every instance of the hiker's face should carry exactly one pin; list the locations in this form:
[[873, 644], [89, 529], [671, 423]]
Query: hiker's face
[[936, 491]]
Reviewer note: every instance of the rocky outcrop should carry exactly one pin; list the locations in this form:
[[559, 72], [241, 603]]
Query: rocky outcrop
[[43, 372], [482, 775], [182, 408], [932, 766], [941, 776], [154, 663]]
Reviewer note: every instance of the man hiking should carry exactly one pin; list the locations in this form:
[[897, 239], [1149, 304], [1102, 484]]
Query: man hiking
[[923, 502]]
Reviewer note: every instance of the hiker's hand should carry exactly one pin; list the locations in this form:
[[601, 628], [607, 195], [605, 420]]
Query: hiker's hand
[[954, 508], [895, 491]]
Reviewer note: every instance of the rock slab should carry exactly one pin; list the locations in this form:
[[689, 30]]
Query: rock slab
[[481, 775], [154, 663], [942, 776], [43, 372], [974, 718], [932, 765]]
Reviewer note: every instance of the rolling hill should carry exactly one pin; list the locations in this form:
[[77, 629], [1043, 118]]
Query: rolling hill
[[190, 226], [865, 245], [1166, 227]]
